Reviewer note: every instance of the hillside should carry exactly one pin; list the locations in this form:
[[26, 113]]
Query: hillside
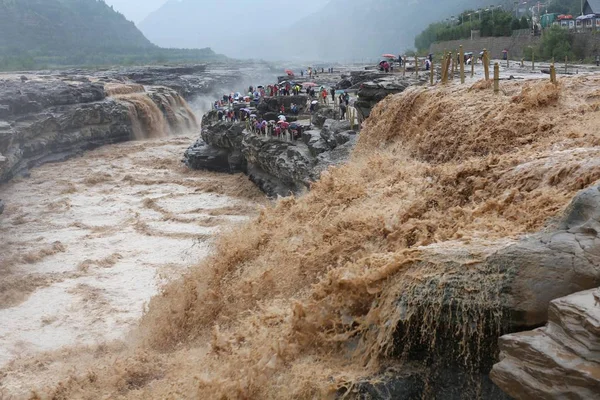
[[385, 26], [64, 25], [320, 29], [40, 33]]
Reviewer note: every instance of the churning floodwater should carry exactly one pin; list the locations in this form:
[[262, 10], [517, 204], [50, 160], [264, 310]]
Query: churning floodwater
[[87, 242]]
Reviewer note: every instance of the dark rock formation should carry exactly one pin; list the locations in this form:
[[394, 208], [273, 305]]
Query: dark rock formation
[[50, 121], [187, 80], [561, 360], [278, 167], [375, 86], [273, 104], [1, 206]]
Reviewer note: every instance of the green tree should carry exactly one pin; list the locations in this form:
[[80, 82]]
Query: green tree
[[556, 43]]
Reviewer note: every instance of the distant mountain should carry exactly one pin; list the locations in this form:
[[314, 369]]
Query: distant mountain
[[308, 30], [41, 33], [238, 28], [355, 29], [65, 25]]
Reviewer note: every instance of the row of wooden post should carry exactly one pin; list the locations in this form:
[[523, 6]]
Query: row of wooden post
[[448, 61]]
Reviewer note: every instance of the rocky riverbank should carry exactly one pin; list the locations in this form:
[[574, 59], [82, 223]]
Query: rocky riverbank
[[51, 116], [277, 166], [51, 120]]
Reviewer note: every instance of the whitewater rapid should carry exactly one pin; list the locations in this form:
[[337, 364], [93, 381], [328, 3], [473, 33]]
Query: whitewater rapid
[[85, 244]]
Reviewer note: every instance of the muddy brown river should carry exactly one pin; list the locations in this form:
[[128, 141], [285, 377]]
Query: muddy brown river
[[86, 243]]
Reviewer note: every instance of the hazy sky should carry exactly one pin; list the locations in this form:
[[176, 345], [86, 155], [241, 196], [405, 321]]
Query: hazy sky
[[135, 10]]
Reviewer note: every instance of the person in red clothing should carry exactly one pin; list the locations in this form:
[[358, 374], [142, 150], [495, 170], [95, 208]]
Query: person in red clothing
[[324, 94]]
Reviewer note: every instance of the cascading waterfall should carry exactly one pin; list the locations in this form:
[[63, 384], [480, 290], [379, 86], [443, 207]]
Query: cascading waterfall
[[158, 112]]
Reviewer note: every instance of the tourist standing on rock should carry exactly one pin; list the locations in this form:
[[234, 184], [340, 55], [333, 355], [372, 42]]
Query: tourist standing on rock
[[324, 94], [302, 73], [343, 110], [333, 95]]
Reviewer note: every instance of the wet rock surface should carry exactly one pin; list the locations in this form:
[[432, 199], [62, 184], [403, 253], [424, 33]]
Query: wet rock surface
[[51, 121], [374, 86], [277, 166], [508, 287], [561, 360], [50, 116]]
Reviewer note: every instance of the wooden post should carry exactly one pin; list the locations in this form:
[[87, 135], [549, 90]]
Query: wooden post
[[553, 74], [462, 65], [522, 62], [417, 65], [452, 65], [566, 65], [445, 66], [431, 73], [507, 59], [472, 66], [486, 65], [496, 77], [444, 61]]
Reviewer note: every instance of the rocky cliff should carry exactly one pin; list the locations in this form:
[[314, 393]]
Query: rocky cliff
[[277, 166], [50, 119], [561, 360]]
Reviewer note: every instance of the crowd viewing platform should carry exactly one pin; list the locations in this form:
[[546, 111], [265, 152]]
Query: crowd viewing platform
[[283, 110]]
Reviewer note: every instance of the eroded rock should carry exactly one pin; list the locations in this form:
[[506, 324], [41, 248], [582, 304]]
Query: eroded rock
[[561, 360]]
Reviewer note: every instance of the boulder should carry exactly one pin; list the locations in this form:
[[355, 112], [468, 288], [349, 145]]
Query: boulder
[[273, 104], [203, 156], [1, 206], [324, 113], [344, 84], [336, 133], [315, 143], [561, 360], [226, 135]]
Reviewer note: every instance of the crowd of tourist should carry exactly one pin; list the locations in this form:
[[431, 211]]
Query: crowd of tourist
[[241, 107]]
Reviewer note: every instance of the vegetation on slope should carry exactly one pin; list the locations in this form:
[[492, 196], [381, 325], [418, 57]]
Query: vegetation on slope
[[38, 33], [496, 23]]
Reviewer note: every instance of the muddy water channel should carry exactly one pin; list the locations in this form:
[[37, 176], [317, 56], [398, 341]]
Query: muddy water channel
[[85, 244]]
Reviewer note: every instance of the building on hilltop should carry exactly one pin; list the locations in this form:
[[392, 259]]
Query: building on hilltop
[[591, 7]]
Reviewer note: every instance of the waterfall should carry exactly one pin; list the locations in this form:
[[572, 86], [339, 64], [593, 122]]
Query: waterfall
[[156, 112]]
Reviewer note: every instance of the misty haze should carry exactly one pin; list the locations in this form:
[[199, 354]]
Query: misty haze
[[318, 199]]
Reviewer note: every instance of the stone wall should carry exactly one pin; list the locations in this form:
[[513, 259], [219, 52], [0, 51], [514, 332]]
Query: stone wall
[[584, 43], [515, 44]]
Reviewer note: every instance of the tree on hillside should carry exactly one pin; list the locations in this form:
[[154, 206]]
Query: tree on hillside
[[556, 43], [572, 7]]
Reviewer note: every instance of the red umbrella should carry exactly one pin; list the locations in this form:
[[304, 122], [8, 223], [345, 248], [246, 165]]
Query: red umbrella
[[289, 72], [389, 56]]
